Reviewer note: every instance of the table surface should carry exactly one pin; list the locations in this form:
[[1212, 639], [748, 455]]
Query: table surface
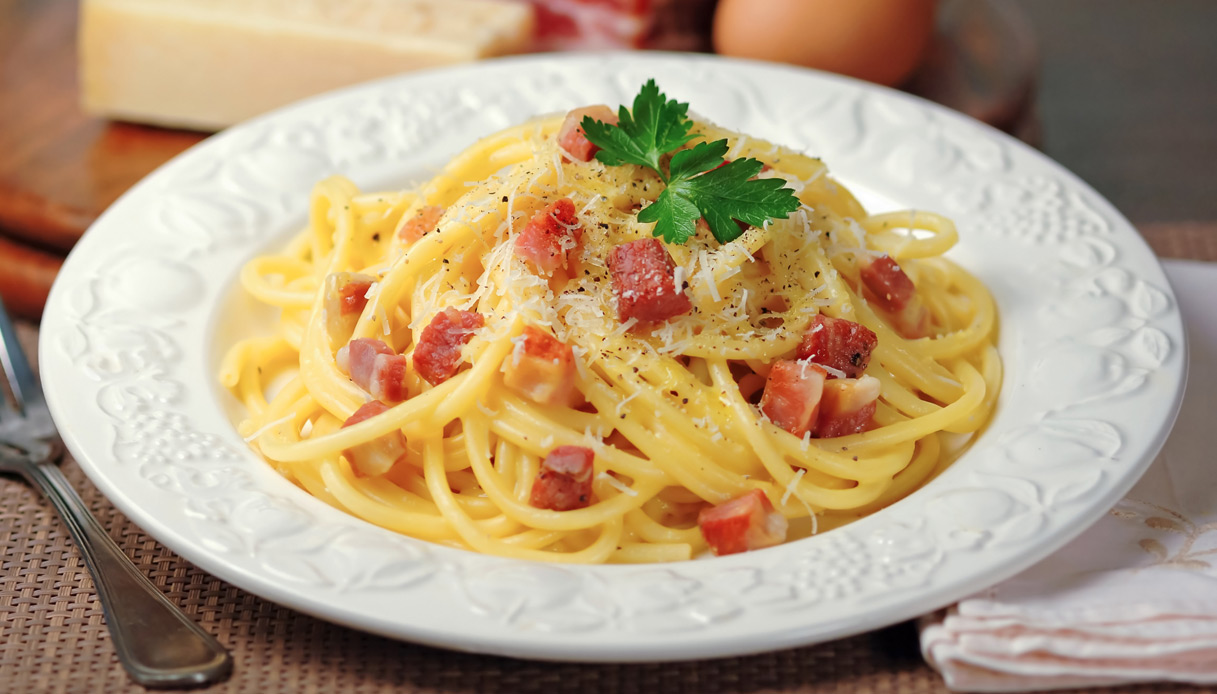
[[1125, 99], [1128, 100]]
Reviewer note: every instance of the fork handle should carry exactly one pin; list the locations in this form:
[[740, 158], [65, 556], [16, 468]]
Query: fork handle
[[157, 644]]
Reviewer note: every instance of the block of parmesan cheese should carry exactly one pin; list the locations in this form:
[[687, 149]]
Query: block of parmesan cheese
[[206, 64]]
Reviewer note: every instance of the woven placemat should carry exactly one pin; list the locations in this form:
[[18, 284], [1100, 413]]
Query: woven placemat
[[53, 637]]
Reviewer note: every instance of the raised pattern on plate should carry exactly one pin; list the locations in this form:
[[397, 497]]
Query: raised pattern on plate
[[1091, 341]]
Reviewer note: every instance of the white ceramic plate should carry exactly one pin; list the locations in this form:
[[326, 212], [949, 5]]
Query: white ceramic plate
[[1090, 335]]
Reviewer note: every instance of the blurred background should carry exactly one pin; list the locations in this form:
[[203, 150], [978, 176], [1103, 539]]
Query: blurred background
[[1121, 92], [1127, 96]]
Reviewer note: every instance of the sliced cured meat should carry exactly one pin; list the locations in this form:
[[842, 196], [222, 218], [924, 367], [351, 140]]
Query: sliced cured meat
[[591, 24]]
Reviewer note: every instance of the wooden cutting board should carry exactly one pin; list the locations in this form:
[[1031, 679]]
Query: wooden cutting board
[[60, 168]]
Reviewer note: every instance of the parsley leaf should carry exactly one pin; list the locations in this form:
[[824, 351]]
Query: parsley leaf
[[655, 127], [721, 196], [702, 157], [675, 217], [731, 193], [700, 183]]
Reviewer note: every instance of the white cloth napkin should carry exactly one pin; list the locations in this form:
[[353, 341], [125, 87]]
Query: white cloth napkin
[[1134, 598]]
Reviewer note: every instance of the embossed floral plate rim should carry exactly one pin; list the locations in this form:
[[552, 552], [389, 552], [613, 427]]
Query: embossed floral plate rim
[[1090, 336]]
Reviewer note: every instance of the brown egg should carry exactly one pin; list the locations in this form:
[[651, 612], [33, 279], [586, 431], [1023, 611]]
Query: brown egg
[[877, 40]]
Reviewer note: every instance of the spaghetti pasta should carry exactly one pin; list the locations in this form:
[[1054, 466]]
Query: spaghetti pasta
[[677, 415]]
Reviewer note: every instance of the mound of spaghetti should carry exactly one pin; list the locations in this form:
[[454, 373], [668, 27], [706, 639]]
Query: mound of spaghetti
[[506, 359]]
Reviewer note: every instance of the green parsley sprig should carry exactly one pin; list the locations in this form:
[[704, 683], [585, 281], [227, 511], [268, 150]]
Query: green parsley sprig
[[699, 181]]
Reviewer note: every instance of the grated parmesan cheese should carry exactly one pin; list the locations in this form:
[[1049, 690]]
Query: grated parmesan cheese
[[740, 143], [384, 320], [588, 206], [833, 371], [617, 484], [624, 328], [579, 353], [794, 482], [597, 439], [621, 403], [270, 425], [517, 350], [706, 275], [559, 170]]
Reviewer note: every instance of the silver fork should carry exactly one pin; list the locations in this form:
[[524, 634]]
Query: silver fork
[[157, 644]]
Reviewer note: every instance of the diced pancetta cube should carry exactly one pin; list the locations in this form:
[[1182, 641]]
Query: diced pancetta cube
[[750, 384], [792, 395], [422, 223], [437, 357], [345, 298], [564, 481], [571, 137], [550, 236], [912, 321], [541, 367], [644, 282], [889, 286], [839, 344], [375, 367], [893, 292], [847, 406], [375, 457], [744, 523]]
